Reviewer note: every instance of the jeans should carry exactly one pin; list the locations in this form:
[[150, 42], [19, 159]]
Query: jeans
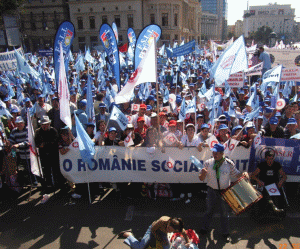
[[215, 201], [146, 240]]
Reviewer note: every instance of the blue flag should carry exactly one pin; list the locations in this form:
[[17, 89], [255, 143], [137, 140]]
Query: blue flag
[[182, 113], [86, 145], [251, 115], [89, 98]]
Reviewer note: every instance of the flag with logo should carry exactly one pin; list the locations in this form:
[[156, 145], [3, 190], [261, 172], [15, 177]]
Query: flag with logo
[[128, 141], [230, 146], [182, 113], [145, 72], [257, 140], [64, 36], [119, 117], [191, 107], [233, 60], [170, 163], [63, 93], [35, 162], [170, 139], [211, 141]]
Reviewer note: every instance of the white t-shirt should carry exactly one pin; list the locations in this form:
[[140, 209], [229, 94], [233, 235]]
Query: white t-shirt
[[227, 170], [194, 143]]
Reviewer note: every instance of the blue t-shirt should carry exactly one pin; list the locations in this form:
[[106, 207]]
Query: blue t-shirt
[[265, 57]]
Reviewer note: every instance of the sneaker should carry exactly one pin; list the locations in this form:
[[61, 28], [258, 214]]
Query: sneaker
[[181, 195], [76, 196], [189, 195], [187, 201], [45, 198]]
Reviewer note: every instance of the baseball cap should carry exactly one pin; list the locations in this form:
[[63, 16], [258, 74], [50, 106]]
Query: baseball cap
[[291, 121], [143, 106], [223, 127], [204, 126], [218, 148], [19, 119], [141, 119], [112, 129], [273, 121]]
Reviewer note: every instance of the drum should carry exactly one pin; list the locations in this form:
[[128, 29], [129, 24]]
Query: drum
[[240, 195]]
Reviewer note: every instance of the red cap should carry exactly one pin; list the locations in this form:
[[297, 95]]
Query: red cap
[[141, 119], [162, 114], [143, 106], [172, 123]]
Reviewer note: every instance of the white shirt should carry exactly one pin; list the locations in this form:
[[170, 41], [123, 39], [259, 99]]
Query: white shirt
[[194, 143], [227, 170]]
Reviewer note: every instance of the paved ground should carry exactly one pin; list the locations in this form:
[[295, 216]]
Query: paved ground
[[57, 224]]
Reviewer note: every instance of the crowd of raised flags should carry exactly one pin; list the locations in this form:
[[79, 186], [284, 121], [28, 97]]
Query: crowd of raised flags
[[169, 94]]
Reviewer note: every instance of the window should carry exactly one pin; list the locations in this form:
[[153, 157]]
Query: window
[[152, 18], [32, 24], [164, 19], [79, 22], [81, 43], [175, 19], [92, 22], [104, 19], [130, 20], [94, 41], [118, 21]]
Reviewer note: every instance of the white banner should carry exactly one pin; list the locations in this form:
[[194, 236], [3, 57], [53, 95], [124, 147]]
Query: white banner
[[255, 70], [235, 80], [120, 164], [8, 60], [290, 74]]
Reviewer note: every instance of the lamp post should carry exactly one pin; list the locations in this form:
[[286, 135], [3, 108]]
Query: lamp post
[[272, 39]]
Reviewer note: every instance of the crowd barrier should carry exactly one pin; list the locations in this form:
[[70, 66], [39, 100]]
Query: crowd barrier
[[120, 164]]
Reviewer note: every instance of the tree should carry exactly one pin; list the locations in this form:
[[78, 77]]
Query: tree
[[10, 6], [262, 34]]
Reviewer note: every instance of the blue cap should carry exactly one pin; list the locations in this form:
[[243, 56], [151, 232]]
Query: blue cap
[[72, 93], [260, 117], [273, 121], [223, 127], [149, 107], [200, 77], [199, 116], [102, 89], [218, 148], [102, 105], [268, 110], [204, 126], [241, 92], [90, 124], [238, 127], [291, 121], [242, 117], [278, 114], [55, 98], [112, 129], [178, 100], [267, 99], [246, 87], [26, 100], [191, 84], [83, 102], [14, 110], [151, 97]]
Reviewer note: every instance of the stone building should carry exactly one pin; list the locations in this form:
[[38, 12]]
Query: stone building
[[39, 21]]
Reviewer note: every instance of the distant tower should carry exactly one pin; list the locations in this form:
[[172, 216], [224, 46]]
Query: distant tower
[[247, 4]]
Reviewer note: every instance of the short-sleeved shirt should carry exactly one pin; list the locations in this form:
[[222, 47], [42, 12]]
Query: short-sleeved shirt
[[227, 170], [194, 143], [265, 57], [269, 174]]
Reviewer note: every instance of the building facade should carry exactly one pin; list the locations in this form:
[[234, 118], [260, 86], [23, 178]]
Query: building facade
[[280, 18], [178, 19], [209, 26], [219, 8], [39, 21], [238, 28]]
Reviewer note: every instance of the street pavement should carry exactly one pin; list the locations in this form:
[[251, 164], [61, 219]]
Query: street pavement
[[64, 223]]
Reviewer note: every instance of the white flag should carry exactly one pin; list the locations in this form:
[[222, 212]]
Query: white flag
[[34, 158], [255, 70], [128, 140], [211, 141], [257, 140], [118, 116], [63, 92], [170, 139], [145, 72], [230, 146], [233, 60], [272, 75]]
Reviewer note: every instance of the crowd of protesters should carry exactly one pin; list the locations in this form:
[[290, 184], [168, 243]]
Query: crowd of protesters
[[155, 119]]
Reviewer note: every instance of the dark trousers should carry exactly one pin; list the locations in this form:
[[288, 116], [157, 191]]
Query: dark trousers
[[215, 202]]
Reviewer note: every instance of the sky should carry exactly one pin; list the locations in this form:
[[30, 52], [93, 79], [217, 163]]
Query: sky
[[236, 8]]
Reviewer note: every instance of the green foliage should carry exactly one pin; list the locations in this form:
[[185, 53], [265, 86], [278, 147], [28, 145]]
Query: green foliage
[[262, 34], [9, 6]]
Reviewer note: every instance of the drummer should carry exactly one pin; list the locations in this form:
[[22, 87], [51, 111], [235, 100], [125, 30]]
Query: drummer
[[216, 173], [269, 172]]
